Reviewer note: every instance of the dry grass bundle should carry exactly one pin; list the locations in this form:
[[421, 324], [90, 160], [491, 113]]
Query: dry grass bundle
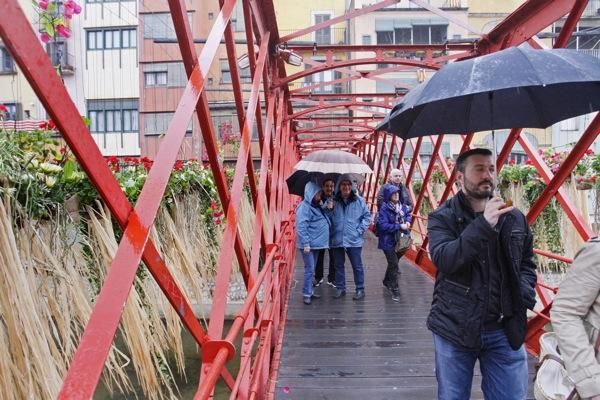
[[141, 326], [56, 251], [28, 364]]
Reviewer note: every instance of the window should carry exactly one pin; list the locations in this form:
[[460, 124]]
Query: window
[[245, 76], [107, 39], [402, 31], [13, 111], [58, 53], [322, 36], [588, 38], [158, 123], [7, 64], [366, 39], [171, 74], [160, 26], [110, 116], [158, 78], [225, 73]]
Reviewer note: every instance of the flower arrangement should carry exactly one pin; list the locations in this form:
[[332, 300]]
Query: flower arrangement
[[54, 21]]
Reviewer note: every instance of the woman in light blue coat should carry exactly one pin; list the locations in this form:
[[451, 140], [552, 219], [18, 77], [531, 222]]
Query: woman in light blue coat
[[312, 235], [351, 219]]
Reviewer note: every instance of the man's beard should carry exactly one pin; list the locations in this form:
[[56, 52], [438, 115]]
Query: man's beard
[[477, 192]]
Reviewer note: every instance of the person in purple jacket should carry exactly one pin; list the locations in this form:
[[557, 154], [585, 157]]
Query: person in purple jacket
[[393, 218]]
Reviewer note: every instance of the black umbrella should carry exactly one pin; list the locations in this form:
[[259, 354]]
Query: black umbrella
[[519, 87], [298, 180]]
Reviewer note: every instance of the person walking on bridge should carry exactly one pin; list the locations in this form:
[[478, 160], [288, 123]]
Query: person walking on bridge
[[393, 218], [351, 219], [396, 180], [576, 320], [485, 280], [312, 235], [327, 198]]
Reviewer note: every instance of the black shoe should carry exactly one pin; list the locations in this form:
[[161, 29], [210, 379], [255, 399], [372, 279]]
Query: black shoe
[[396, 295], [331, 284], [306, 300], [315, 296], [360, 294], [339, 293], [318, 283]]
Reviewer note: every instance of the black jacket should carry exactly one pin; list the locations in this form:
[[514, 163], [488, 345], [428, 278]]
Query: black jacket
[[459, 249]]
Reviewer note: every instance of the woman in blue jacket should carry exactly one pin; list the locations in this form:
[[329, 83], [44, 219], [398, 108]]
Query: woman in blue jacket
[[351, 219], [312, 235], [393, 218]]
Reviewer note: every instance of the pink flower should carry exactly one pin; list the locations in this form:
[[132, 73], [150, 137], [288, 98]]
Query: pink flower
[[43, 5], [63, 31], [68, 13], [3, 108], [286, 389], [45, 37]]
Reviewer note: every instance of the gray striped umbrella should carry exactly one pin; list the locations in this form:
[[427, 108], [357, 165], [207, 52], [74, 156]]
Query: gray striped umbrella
[[333, 161]]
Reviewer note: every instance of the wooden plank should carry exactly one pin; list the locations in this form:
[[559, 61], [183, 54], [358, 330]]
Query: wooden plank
[[375, 348]]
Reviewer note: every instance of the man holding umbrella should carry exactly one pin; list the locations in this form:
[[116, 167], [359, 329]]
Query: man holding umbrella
[[350, 219], [485, 281]]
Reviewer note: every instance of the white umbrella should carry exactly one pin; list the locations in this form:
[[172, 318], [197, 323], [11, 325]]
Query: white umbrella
[[333, 161]]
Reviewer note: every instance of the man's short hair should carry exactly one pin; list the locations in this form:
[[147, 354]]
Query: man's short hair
[[461, 161], [328, 180]]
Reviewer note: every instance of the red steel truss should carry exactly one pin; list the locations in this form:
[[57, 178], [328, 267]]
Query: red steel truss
[[291, 122]]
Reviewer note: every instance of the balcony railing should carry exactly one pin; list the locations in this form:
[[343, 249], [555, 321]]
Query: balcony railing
[[592, 52], [322, 36]]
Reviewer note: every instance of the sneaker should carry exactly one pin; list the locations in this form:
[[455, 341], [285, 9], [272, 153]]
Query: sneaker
[[306, 300], [396, 295], [331, 284], [360, 294], [318, 283], [315, 296], [339, 293]]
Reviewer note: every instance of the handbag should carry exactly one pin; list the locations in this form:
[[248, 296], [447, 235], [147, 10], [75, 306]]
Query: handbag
[[403, 243], [551, 380]]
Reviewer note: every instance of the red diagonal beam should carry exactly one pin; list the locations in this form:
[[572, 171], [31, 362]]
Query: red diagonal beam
[[50, 90], [379, 162], [190, 60], [337, 20], [101, 328], [523, 23], [571, 23], [556, 181], [215, 327]]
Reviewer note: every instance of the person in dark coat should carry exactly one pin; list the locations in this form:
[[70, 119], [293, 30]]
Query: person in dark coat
[[393, 218], [396, 179], [327, 190], [485, 281]]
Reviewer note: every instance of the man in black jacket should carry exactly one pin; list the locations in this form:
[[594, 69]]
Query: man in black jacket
[[396, 179], [485, 281]]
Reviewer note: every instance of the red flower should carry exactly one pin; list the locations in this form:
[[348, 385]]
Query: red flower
[[511, 162], [178, 165], [47, 125], [528, 162], [589, 152], [213, 205], [3, 108], [113, 160]]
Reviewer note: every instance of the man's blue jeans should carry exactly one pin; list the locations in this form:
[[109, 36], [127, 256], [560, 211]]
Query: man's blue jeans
[[503, 370], [357, 267], [310, 260]]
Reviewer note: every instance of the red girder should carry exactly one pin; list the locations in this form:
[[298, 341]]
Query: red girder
[[341, 104], [426, 64]]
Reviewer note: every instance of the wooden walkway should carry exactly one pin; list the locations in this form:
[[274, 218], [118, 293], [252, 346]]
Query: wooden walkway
[[371, 349]]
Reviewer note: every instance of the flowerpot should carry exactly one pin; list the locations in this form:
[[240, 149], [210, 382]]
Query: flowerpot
[[583, 185]]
